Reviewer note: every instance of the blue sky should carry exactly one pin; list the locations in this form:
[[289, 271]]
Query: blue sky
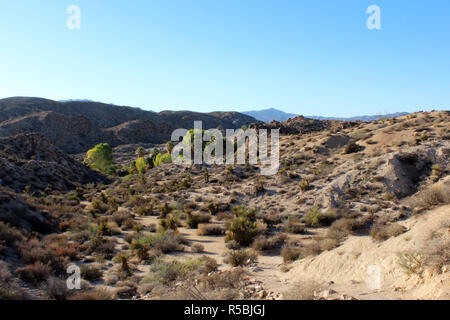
[[305, 57]]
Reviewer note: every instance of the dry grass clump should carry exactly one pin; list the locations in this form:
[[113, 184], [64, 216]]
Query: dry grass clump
[[8, 289], [291, 253], [91, 273], [382, 231], [197, 248], [165, 273], [210, 230], [306, 290], [242, 257], [434, 196], [193, 220], [263, 243], [164, 241], [93, 294], [293, 225], [34, 273]]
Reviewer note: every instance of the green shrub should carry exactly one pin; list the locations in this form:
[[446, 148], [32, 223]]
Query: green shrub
[[141, 165], [100, 158], [315, 217], [169, 223], [164, 241], [242, 230], [161, 159]]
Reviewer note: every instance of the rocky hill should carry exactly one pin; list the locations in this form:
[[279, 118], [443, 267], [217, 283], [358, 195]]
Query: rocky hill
[[30, 160], [75, 126]]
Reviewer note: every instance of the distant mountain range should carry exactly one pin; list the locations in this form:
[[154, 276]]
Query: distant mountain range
[[272, 114]]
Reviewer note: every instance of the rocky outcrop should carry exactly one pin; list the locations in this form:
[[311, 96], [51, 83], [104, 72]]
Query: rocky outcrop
[[302, 125], [31, 160], [403, 171]]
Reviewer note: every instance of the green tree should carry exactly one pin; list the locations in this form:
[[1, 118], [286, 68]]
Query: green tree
[[141, 165], [100, 158]]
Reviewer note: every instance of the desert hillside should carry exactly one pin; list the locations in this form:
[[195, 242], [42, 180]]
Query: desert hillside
[[75, 126], [357, 210]]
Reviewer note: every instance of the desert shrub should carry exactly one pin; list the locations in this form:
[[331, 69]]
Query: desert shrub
[[91, 273], [305, 290], [293, 225], [9, 290], [242, 230], [258, 187], [434, 196], [54, 251], [436, 255], [123, 218], [197, 248], [125, 269], [56, 289], [242, 257], [243, 211], [290, 254], [168, 272], [382, 231], [94, 294], [263, 243], [210, 230], [144, 211], [169, 223], [233, 245], [34, 273], [164, 240], [210, 264], [315, 217], [349, 224], [271, 219], [160, 159], [101, 246], [9, 235], [352, 148], [193, 220], [141, 248], [304, 185], [212, 207], [100, 158], [164, 210], [411, 263], [231, 279]]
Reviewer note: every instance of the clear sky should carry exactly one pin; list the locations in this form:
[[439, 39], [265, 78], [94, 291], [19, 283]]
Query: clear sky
[[307, 57]]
